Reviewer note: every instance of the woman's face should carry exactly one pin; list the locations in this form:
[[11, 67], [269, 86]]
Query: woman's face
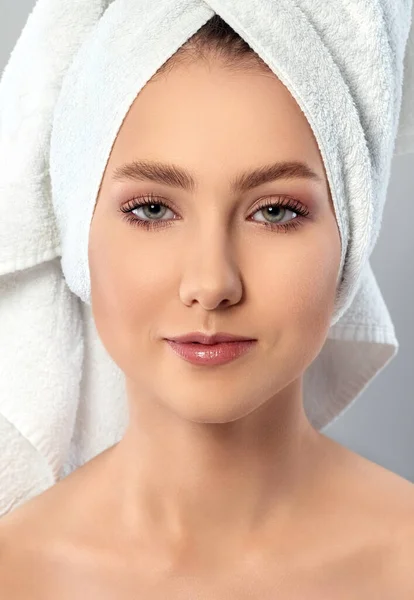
[[214, 259]]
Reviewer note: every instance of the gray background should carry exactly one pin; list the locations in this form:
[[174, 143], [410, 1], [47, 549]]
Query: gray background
[[380, 425]]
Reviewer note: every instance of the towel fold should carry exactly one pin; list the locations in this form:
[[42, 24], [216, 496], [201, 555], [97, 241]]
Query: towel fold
[[62, 398]]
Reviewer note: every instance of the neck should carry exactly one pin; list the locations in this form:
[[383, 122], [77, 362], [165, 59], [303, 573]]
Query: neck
[[187, 484]]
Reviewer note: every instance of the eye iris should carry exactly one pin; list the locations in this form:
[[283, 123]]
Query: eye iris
[[275, 212], [151, 206]]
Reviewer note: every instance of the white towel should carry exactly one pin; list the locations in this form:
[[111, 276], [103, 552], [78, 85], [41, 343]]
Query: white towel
[[62, 399]]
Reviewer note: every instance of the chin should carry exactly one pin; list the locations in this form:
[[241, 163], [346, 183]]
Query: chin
[[209, 410]]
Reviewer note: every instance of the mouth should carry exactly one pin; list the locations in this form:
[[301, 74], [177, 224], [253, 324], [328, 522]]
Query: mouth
[[208, 339], [212, 354]]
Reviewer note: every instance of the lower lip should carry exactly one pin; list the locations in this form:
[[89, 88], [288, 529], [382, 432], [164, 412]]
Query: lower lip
[[213, 354]]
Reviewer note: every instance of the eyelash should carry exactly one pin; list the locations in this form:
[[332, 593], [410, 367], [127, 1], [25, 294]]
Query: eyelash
[[289, 203]]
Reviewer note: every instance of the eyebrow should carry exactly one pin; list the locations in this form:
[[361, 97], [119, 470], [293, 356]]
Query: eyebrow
[[174, 176]]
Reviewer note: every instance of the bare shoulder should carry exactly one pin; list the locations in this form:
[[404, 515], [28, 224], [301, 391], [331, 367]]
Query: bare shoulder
[[404, 563], [20, 567], [36, 539], [380, 505], [402, 572]]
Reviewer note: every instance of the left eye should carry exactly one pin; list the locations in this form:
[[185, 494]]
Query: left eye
[[275, 211]]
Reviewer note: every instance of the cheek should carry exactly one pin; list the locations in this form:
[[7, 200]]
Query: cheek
[[127, 280], [129, 291], [298, 293], [109, 284]]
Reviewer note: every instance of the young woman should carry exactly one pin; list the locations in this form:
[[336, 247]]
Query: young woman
[[220, 488]]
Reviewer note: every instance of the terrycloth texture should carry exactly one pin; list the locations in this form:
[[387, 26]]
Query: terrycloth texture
[[62, 399], [405, 136]]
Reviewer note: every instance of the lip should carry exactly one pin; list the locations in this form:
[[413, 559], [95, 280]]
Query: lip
[[211, 354], [203, 338]]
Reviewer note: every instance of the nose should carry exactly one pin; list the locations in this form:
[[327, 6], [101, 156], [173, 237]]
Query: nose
[[211, 275]]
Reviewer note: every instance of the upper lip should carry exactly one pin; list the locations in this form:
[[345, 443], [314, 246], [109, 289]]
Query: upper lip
[[203, 338]]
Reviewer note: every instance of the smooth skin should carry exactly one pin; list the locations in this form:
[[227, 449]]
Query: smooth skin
[[220, 487]]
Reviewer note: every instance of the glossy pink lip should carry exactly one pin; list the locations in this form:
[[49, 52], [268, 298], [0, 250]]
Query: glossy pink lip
[[211, 354], [202, 338]]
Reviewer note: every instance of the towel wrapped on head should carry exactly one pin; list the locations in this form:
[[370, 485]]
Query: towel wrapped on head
[[344, 63]]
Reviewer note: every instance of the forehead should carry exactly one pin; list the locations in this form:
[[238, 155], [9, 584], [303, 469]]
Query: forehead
[[212, 115]]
